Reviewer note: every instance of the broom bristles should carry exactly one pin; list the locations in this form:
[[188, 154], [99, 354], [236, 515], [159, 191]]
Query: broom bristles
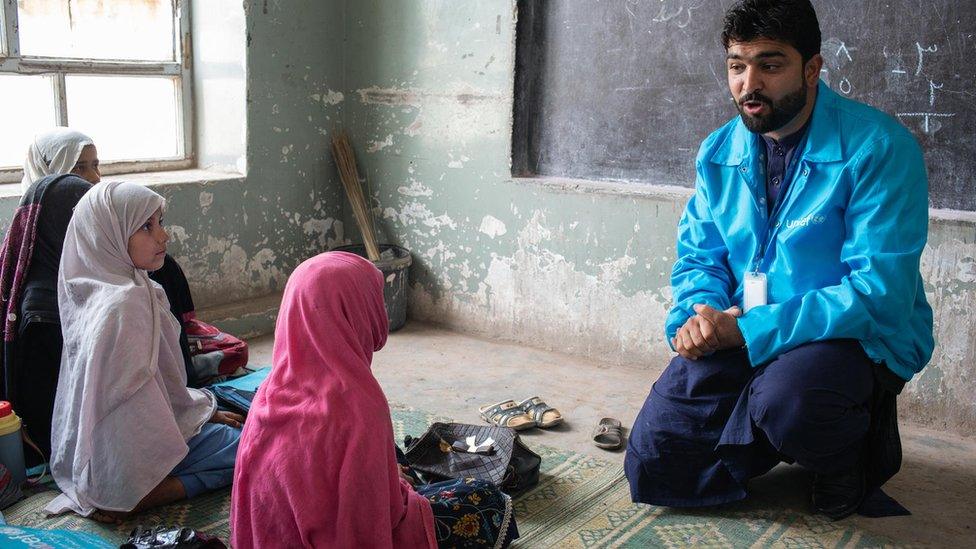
[[345, 160]]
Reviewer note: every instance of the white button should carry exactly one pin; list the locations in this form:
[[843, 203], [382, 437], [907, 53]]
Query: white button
[[12, 317]]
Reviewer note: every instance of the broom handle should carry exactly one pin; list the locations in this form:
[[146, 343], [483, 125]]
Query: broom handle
[[349, 174], [355, 192]]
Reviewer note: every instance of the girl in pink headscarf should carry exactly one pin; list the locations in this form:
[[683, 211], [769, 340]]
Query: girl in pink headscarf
[[317, 464]]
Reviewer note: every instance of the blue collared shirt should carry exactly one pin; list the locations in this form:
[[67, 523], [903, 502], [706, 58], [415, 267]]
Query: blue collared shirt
[[779, 154]]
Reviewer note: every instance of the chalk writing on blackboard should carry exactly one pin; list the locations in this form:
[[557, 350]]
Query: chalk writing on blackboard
[[672, 13], [847, 52], [932, 87], [926, 116], [921, 55], [845, 86], [839, 53]]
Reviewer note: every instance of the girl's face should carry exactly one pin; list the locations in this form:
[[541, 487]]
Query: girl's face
[[147, 246], [87, 165]]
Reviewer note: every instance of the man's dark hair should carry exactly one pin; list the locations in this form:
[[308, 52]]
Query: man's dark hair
[[791, 21]]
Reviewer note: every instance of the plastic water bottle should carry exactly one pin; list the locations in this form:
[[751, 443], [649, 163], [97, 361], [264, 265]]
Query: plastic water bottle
[[11, 445]]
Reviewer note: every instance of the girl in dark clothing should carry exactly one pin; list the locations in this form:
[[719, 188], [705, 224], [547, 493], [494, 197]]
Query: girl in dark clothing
[[29, 260]]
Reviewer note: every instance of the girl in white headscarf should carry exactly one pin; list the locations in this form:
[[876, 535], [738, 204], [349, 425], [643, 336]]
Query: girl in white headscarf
[[128, 433], [61, 150]]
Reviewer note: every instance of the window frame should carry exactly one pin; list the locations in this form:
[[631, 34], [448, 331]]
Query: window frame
[[12, 62]]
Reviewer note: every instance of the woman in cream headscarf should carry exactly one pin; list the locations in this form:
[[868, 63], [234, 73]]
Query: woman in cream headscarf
[[128, 434], [61, 150]]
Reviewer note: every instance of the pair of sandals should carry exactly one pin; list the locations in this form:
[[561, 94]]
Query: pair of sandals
[[531, 412]]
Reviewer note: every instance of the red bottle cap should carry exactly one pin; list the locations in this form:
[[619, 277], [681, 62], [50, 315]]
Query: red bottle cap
[[5, 408]]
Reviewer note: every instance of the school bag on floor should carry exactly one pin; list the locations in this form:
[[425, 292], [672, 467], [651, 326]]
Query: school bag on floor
[[215, 354], [210, 354], [486, 452]]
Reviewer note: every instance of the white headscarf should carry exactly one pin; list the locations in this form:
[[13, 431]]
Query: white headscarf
[[123, 412], [53, 152]]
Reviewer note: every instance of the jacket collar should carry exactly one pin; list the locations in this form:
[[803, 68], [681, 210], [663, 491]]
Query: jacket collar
[[823, 144]]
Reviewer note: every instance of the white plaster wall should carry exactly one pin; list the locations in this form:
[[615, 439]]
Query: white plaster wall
[[219, 83]]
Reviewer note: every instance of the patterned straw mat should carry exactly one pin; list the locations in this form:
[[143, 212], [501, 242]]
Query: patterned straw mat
[[580, 502]]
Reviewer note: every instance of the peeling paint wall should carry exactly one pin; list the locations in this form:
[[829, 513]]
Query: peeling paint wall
[[944, 394], [430, 86], [575, 266], [290, 205], [239, 239]]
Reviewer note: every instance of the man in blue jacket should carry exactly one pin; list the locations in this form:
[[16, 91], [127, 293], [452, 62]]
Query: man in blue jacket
[[799, 310]]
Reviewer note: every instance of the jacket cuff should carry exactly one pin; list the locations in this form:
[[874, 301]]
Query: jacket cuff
[[756, 334]]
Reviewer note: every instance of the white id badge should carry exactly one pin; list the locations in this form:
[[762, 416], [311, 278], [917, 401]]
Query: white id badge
[[754, 292]]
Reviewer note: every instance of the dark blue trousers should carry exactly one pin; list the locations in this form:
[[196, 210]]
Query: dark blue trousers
[[709, 425]]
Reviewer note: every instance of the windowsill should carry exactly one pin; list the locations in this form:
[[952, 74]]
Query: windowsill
[[176, 177], [151, 179]]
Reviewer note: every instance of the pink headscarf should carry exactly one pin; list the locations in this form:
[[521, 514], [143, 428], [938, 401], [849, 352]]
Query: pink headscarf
[[316, 466]]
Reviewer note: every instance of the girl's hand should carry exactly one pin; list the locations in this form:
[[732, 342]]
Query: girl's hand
[[405, 476], [227, 418]]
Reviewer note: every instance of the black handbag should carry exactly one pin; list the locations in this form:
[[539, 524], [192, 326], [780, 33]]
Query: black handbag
[[457, 450], [164, 537]]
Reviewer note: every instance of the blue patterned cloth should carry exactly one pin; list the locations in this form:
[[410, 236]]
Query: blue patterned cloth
[[470, 513]]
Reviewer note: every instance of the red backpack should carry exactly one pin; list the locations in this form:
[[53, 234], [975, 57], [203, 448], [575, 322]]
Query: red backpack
[[215, 354]]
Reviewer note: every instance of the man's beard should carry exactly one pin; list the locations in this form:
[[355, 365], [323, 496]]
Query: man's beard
[[781, 112]]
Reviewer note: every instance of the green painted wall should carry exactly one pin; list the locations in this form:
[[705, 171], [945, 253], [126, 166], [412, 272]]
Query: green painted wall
[[239, 239], [570, 265]]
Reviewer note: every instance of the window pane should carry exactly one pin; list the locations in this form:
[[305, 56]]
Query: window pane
[[29, 110], [129, 117], [97, 29]]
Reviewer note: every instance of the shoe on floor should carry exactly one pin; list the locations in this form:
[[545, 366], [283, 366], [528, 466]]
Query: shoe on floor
[[608, 434], [507, 413], [545, 416], [838, 495]]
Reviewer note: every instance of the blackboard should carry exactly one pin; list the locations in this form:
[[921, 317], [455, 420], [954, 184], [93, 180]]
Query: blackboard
[[625, 90]]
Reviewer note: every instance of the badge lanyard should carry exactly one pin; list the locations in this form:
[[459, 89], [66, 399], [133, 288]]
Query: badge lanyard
[[755, 284]]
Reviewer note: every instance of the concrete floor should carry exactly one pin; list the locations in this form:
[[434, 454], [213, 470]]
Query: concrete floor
[[452, 374]]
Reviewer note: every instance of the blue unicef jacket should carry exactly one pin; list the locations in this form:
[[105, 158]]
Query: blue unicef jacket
[[840, 251]]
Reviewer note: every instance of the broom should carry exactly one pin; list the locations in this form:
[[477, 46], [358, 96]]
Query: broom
[[345, 160]]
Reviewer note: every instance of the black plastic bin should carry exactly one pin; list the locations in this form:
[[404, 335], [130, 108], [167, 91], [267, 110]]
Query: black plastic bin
[[396, 271]]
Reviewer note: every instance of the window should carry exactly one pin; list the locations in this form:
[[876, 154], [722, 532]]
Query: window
[[116, 70]]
